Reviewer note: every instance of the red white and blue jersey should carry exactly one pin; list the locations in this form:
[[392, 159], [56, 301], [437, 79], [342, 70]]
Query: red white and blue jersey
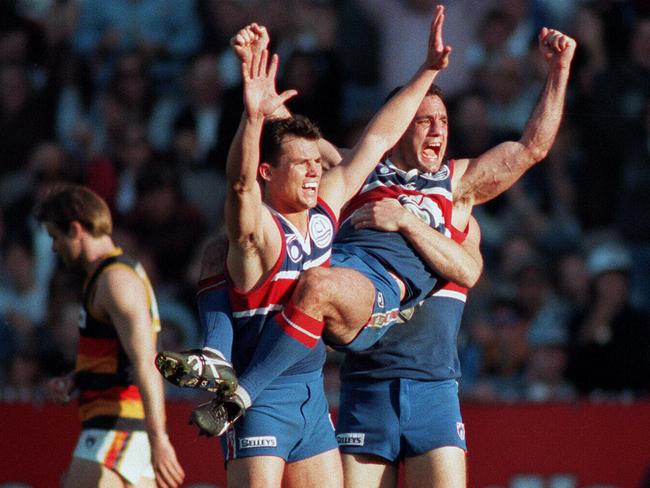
[[251, 310], [427, 195], [424, 348]]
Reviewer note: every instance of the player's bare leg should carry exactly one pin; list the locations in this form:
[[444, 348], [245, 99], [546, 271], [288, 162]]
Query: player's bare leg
[[368, 471], [342, 297], [321, 471], [89, 474], [255, 472], [444, 467]]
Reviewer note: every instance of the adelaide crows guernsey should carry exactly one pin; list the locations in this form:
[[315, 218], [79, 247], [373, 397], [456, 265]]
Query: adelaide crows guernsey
[[427, 195], [251, 310], [109, 398], [424, 348]]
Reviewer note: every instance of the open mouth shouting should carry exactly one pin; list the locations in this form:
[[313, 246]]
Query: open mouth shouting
[[431, 152], [310, 186]]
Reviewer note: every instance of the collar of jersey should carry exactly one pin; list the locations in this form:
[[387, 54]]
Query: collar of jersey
[[406, 175], [305, 242]]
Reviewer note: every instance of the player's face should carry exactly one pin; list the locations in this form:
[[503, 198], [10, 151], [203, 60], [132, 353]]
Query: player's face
[[66, 247], [293, 184], [424, 143]]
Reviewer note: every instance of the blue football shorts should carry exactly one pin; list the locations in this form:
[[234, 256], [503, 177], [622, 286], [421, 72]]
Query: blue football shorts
[[386, 308], [399, 418], [290, 419]]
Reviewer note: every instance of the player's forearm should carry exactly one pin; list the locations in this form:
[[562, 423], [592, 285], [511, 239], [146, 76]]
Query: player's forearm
[[443, 255], [244, 154], [499, 168], [243, 198], [544, 123], [392, 120], [153, 400], [381, 134]]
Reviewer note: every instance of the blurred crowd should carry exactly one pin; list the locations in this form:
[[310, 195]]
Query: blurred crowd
[[139, 99]]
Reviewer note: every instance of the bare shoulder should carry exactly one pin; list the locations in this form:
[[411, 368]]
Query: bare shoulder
[[119, 288]]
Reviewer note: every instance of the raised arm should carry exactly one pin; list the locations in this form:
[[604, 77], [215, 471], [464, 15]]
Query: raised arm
[[461, 264], [483, 178], [253, 39], [248, 222], [387, 126]]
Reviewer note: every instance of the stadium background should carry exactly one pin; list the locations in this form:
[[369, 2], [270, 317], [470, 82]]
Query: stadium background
[[139, 100]]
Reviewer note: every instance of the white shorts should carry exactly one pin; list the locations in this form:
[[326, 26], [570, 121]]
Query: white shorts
[[127, 453]]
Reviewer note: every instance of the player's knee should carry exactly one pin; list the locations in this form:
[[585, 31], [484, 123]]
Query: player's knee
[[315, 285]]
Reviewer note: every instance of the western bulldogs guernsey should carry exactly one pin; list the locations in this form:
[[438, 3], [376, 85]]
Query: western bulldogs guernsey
[[425, 348], [251, 310], [426, 195]]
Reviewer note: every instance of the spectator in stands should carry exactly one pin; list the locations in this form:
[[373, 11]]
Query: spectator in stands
[[609, 348], [23, 298], [546, 365], [23, 122], [165, 224], [494, 360], [164, 31]]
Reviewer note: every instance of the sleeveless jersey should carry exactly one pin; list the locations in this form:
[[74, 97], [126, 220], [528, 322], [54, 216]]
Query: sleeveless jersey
[[109, 398], [426, 195], [424, 348], [252, 310]]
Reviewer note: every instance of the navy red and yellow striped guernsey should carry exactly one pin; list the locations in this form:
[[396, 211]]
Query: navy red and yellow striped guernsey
[[109, 398]]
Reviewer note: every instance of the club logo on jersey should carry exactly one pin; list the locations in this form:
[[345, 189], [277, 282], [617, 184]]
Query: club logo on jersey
[[82, 318], [424, 208], [351, 439], [460, 429], [442, 174], [294, 250], [261, 441], [90, 441], [321, 230]]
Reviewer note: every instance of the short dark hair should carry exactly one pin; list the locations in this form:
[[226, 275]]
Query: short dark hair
[[68, 203], [275, 130], [434, 90]]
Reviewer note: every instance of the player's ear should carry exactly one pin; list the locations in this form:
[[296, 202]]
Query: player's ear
[[75, 229], [265, 171]]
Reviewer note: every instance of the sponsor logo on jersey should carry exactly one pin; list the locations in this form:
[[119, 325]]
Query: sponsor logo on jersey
[[380, 320], [460, 429], [294, 250], [261, 441], [321, 230], [351, 439]]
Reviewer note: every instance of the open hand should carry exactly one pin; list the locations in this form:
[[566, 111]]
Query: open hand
[[60, 388], [260, 96], [437, 52]]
